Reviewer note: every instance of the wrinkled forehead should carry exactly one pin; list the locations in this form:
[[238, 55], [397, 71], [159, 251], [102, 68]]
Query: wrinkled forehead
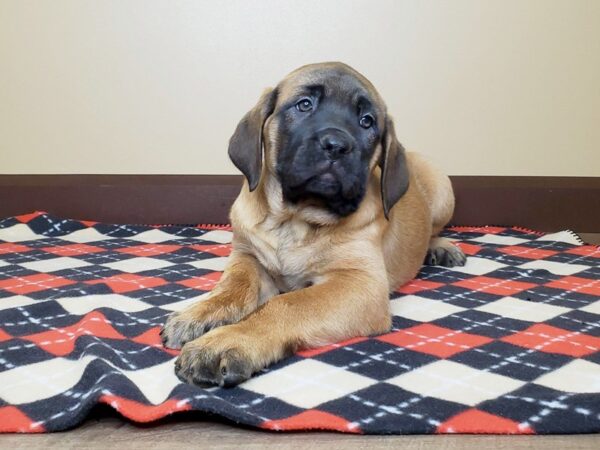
[[339, 82]]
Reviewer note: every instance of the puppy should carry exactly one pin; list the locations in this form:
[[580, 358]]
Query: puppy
[[333, 215]]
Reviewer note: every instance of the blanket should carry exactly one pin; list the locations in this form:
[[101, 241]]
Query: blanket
[[509, 343]]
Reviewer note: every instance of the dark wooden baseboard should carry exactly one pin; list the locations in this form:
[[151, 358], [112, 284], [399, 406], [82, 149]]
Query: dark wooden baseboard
[[542, 203]]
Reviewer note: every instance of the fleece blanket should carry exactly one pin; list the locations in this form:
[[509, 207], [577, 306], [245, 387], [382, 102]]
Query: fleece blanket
[[509, 343]]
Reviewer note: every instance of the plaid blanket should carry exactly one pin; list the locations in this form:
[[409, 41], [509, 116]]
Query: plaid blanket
[[508, 343]]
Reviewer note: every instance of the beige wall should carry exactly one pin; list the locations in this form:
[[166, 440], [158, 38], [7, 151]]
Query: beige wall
[[484, 87]]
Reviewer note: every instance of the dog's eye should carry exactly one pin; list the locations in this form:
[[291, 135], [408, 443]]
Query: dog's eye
[[304, 105], [366, 121]]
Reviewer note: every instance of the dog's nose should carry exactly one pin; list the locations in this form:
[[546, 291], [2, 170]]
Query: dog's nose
[[335, 143]]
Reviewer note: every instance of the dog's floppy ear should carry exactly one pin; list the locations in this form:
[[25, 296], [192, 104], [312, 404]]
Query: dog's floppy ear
[[394, 169], [245, 146]]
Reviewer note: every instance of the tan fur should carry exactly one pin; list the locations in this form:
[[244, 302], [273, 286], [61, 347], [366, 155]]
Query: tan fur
[[300, 277]]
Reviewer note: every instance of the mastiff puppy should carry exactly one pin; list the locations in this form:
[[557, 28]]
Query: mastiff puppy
[[333, 215]]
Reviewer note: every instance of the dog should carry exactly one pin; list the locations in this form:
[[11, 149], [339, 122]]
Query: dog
[[332, 216]]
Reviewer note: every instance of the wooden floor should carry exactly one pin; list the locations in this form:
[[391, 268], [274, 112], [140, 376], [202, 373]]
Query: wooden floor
[[105, 429], [590, 238]]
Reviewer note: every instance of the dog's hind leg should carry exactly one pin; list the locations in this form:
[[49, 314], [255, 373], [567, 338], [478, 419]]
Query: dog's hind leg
[[442, 252], [438, 190]]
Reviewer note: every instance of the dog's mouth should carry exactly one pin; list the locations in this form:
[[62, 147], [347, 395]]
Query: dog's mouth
[[324, 179], [302, 174], [327, 179], [327, 184]]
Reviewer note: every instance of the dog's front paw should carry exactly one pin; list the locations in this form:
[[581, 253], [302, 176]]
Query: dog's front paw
[[180, 329], [224, 357], [191, 323]]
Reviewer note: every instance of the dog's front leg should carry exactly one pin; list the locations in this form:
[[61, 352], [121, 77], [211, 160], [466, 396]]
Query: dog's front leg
[[346, 304], [242, 287]]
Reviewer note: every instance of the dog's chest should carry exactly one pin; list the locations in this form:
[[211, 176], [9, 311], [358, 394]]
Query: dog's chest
[[288, 251]]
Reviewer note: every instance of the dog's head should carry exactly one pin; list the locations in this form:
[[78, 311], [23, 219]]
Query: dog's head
[[324, 129]]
